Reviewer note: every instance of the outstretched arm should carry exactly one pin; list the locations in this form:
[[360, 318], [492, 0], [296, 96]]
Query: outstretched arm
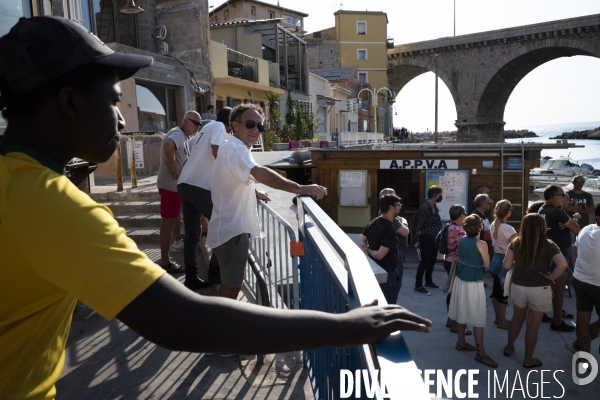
[[271, 178], [176, 318]]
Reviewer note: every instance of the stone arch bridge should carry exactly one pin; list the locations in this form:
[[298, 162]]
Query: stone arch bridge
[[481, 70]]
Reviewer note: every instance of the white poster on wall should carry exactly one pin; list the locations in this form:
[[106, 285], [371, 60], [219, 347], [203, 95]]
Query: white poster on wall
[[138, 152]]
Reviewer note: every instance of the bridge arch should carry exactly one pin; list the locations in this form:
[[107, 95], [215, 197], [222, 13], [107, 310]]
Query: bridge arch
[[505, 76], [404, 72]]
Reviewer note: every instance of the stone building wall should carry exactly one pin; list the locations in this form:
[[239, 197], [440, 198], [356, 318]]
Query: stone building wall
[[322, 53]]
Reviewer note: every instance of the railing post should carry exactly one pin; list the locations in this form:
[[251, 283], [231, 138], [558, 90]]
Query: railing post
[[118, 166], [132, 164]]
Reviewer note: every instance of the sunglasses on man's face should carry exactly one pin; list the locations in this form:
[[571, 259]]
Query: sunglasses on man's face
[[196, 123], [251, 124], [578, 181]]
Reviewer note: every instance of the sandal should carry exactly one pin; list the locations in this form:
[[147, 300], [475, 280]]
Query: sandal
[[504, 326], [467, 332], [537, 363], [173, 268], [449, 323], [467, 347], [488, 362], [567, 315]]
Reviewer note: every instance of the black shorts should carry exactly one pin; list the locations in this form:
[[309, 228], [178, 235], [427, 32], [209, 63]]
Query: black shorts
[[498, 290], [587, 296]]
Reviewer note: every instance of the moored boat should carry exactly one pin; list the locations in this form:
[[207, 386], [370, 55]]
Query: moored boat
[[557, 170]]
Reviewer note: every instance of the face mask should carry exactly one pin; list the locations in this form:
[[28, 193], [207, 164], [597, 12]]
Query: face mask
[[439, 199]]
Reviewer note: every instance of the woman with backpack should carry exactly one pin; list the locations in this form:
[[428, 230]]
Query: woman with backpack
[[454, 232], [502, 235]]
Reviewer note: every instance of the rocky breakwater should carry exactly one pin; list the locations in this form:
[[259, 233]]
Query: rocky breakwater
[[593, 134], [449, 136], [519, 134]]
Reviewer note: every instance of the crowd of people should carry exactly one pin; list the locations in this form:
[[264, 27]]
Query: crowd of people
[[60, 94], [530, 266]]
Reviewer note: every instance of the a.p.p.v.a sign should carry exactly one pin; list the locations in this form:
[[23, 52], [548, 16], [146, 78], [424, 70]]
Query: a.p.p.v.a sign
[[418, 164]]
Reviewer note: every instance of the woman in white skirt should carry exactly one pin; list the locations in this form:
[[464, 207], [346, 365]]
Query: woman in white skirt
[[467, 304]]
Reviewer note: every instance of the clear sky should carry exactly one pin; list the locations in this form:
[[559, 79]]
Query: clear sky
[[560, 91]]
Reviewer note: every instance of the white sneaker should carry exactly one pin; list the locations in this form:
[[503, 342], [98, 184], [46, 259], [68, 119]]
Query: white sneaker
[[177, 246], [570, 347]]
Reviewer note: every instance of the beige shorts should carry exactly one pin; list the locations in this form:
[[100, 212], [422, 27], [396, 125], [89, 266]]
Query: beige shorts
[[233, 257], [537, 298]]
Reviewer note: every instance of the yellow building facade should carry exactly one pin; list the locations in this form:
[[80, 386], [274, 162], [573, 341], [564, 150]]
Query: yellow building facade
[[231, 90], [361, 37]]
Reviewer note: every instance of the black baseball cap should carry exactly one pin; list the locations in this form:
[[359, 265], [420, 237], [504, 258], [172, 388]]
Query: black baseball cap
[[39, 49]]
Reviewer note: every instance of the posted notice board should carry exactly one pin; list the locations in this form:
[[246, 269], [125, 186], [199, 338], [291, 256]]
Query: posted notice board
[[353, 188], [455, 188]]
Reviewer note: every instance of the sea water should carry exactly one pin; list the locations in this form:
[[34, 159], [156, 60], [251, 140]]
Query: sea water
[[590, 154]]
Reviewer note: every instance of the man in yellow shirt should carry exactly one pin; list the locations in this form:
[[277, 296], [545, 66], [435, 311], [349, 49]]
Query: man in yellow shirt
[[59, 90]]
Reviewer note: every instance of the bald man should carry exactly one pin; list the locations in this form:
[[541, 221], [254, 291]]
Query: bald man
[[174, 152]]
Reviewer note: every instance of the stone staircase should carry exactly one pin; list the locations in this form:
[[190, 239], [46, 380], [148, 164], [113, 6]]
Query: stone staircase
[[137, 213]]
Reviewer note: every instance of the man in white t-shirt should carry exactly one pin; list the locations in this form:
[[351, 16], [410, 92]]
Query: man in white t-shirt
[[585, 255], [193, 187], [235, 216], [174, 152]]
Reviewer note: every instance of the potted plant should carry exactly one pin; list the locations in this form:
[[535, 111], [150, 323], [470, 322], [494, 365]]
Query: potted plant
[[287, 135], [316, 142], [272, 142]]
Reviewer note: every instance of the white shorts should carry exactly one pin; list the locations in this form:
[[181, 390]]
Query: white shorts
[[537, 298]]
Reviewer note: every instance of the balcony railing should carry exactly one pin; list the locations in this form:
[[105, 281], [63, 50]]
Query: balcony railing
[[242, 66]]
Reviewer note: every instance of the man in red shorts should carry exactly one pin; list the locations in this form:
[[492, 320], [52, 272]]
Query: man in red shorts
[[174, 152]]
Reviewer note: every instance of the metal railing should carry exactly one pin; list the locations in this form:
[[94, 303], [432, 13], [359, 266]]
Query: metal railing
[[336, 277], [359, 138], [272, 273], [242, 66], [276, 265]]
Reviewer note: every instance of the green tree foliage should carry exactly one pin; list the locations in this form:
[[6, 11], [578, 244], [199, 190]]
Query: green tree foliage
[[273, 114], [298, 119]]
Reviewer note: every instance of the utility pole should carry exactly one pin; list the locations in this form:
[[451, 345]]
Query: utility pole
[[435, 133]]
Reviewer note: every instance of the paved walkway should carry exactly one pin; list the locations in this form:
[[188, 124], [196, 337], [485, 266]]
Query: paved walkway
[[106, 360]]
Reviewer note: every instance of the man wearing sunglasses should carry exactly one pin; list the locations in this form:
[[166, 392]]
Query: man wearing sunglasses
[[581, 202], [174, 152], [234, 219]]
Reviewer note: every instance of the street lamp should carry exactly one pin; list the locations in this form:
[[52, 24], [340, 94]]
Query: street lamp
[[375, 94], [131, 8], [359, 98]]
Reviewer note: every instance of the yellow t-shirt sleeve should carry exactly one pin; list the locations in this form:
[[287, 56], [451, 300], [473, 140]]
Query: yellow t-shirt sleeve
[[75, 243]]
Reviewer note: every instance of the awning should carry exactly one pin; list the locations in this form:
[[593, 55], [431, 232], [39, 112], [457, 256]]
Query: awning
[[322, 99]]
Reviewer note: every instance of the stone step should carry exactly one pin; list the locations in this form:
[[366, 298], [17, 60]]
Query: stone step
[[150, 195], [146, 235], [138, 206], [139, 220]]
